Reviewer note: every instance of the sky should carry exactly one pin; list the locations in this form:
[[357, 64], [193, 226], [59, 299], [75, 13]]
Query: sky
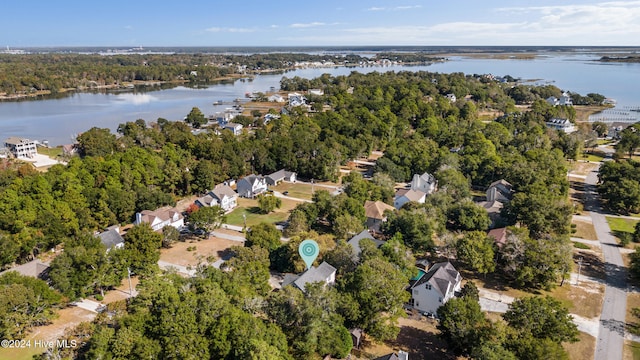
[[25, 23]]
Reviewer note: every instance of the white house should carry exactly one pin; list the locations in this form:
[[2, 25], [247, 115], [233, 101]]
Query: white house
[[404, 196], [433, 288], [296, 99], [225, 197], [426, 183], [565, 99], [160, 218], [236, 129], [451, 97], [251, 186], [562, 125], [276, 98], [21, 148], [324, 273]]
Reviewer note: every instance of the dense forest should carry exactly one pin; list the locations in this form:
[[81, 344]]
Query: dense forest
[[406, 115]]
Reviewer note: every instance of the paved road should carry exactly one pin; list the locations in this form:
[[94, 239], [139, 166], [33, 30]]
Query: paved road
[[610, 341]]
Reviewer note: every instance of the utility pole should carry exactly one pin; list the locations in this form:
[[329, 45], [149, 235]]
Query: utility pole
[[130, 287], [579, 269]]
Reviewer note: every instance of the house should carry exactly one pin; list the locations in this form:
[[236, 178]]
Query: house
[[296, 99], [355, 242], [35, 268], [268, 117], [565, 99], [562, 125], [280, 176], [160, 218], [276, 98], [205, 201], [500, 190], [111, 238], [323, 273], [499, 235], [21, 148], [401, 355], [225, 197], [251, 186], [494, 210], [426, 183], [433, 288], [451, 97], [356, 337], [69, 149], [236, 129], [374, 211], [404, 196]]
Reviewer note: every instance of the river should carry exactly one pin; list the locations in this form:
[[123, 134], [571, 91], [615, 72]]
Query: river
[[59, 120]]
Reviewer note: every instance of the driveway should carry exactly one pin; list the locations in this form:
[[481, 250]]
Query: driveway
[[610, 341]]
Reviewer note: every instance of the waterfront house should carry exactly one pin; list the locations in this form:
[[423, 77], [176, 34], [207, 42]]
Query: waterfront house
[[21, 148], [562, 125]]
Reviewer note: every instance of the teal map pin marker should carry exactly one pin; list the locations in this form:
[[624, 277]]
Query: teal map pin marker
[[309, 251]]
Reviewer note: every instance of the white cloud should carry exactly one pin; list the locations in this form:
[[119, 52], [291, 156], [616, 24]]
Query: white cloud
[[307, 25], [398, 8], [230, 30], [409, 7], [375, 9]]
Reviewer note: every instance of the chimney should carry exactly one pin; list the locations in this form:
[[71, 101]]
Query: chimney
[[138, 218]]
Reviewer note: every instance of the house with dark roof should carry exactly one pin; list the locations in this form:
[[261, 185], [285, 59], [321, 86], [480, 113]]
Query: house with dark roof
[[111, 238], [500, 190], [251, 186], [280, 176], [433, 288], [401, 355], [222, 195], [499, 235], [374, 211], [324, 273], [355, 242]]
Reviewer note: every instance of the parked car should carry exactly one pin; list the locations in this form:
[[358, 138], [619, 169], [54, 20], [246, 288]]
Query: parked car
[[285, 193], [199, 232]]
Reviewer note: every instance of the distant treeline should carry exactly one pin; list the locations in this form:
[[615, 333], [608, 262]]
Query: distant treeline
[[629, 59], [54, 72]]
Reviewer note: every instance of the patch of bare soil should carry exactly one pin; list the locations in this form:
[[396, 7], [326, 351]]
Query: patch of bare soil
[[200, 251]]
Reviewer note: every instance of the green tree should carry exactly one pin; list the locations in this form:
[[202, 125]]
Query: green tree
[[169, 236], [268, 203], [208, 218], [467, 216], [463, 325], [264, 235], [142, 248], [542, 317], [476, 249], [96, 142], [195, 118], [413, 225]]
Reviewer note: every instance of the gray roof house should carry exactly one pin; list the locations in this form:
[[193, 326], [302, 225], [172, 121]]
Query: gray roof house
[[426, 183], [279, 176], [355, 242], [251, 186], [433, 288], [111, 238], [34, 268], [323, 273], [500, 190]]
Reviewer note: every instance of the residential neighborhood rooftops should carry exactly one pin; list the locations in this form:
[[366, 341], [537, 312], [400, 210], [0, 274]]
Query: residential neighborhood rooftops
[[34, 268], [223, 190], [441, 276], [364, 234], [111, 237], [323, 273], [376, 209]]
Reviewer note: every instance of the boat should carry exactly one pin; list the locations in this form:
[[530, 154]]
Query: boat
[[219, 102]]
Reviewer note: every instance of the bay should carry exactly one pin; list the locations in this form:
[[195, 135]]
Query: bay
[[60, 120]]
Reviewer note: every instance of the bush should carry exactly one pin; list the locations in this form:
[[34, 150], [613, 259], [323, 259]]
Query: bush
[[579, 245]]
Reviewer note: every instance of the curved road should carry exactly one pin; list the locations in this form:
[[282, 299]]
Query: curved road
[[610, 342]]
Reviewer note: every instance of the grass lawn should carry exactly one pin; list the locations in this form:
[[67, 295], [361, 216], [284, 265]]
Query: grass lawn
[[254, 216], [300, 191], [621, 224], [632, 322], [591, 157], [50, 152], [631, 350]]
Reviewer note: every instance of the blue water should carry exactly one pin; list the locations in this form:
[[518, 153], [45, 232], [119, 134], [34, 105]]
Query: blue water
[[58, 120]]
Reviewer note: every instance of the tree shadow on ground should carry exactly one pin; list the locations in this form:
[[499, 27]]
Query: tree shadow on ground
[[422, 345], [592, 264]]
